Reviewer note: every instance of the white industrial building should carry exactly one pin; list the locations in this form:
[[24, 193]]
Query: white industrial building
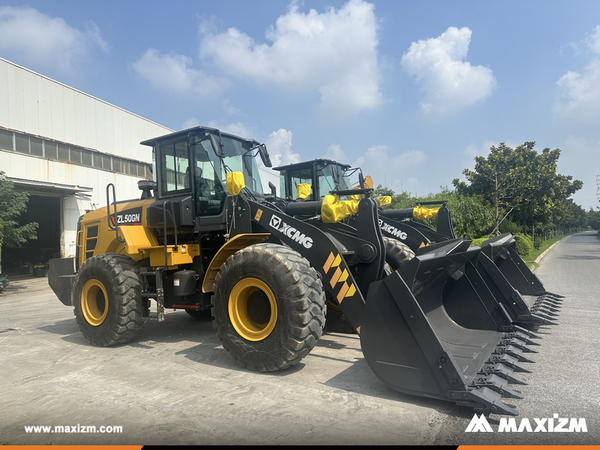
[[64, 147]]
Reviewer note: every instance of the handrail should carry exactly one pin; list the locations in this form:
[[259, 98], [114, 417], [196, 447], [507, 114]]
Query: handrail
[[111, 187], [174, 222]]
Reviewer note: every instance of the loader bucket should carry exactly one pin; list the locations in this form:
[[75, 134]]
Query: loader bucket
[[412, 342], [61, 275], [544, 305]]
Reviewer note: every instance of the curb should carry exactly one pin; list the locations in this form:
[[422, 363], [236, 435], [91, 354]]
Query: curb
[[539, 258]]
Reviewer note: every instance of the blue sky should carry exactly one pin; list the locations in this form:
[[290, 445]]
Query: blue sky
[[409, 90]]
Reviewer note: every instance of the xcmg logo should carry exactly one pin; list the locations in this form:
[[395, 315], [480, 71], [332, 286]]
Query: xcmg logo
[[387, 228], [295, 235], [554, 424]]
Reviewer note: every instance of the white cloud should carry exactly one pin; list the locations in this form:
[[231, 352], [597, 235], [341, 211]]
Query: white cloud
[[333, 53], [473, 150], [31, 37], [279, 145], [579, 97], [336, 153], [230, 109], [190, 123], [238, 129], [449, 83], [174, 73], [386, 168]]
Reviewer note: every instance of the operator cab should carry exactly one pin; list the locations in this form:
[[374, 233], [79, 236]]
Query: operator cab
[[191, 168], [323, 175]]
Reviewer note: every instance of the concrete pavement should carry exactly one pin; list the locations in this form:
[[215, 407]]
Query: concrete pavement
[[176, 385]]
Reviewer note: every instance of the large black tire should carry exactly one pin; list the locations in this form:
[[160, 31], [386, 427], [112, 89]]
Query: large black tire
[[269, 307], [107, 300], [396, 252]]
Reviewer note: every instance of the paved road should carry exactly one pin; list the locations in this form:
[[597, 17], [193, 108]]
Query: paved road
[[566, 377], [176, 385]]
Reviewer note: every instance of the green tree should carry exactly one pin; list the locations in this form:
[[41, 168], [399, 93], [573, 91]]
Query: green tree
[[380, 191], [12, 205], [519, 181], [593, 218], [470, 217]]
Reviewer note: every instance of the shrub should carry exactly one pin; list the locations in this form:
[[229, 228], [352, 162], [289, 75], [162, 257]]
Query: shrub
[[508, 226], [477, 242], [524, 245]]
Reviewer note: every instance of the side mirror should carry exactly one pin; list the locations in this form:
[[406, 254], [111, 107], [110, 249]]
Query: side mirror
[[264, 155], [361, 180], [216, 144]]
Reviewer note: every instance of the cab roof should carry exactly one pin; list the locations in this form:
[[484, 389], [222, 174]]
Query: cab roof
[[197, 131], [319, 161]]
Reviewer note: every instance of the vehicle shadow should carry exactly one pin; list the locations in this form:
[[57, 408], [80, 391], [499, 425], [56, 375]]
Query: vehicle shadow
[[202, 346]]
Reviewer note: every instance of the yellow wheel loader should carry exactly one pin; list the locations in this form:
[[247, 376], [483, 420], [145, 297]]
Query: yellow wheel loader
[[204, 237]]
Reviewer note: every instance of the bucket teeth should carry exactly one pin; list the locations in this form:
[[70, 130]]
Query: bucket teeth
[[524, 335], [509, 361], [540, 319], [546, 308], [514, 352], [516, 342], [502, 371], [549, 300], [556, 296], [525, 338], [497, 384], [545, 300], [484, 400], [530, 334], [544, 313]]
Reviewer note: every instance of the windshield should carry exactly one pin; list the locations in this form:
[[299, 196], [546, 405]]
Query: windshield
[[326, 178], [237, 158]]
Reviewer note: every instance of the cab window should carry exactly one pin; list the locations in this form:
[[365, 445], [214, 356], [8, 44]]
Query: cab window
[[297, 177], [210, 195], [175, 167]]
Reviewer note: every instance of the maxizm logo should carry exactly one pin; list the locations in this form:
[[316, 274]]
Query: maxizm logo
[[387, 228], [290, 231], [554, 424]]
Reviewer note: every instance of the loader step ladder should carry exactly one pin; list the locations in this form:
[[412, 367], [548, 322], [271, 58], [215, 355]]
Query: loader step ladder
[[157, 272]]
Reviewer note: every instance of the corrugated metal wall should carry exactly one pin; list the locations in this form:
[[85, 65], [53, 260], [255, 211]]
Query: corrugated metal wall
[[37, 105]]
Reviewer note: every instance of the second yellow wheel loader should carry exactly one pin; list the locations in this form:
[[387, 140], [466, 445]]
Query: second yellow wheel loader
[[205, 238], [520, 293]]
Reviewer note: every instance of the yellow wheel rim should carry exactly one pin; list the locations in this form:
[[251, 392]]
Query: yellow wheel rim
[[252, 309], [94, 302]]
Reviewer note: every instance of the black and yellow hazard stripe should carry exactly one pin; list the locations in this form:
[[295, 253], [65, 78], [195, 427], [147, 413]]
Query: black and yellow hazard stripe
[[332, 269]]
